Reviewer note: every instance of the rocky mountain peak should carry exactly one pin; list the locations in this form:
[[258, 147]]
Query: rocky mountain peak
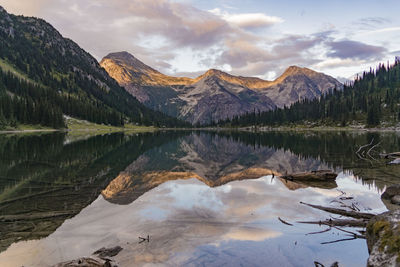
[[295, 70], [128, 60], [127, 69], [249, 82], [213, 72]]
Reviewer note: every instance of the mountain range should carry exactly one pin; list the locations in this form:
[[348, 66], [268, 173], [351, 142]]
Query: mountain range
[[215, 95], [52, 76]]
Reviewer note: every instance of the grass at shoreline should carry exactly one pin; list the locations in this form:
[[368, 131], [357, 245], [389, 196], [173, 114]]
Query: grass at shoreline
[[85, 126], [77, 127]]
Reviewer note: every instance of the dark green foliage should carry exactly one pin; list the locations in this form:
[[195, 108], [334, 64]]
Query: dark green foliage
[[370, 99], [71, 81]]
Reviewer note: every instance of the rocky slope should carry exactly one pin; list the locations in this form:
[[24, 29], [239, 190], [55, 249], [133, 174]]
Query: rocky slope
[[215, 95], [298, 83]]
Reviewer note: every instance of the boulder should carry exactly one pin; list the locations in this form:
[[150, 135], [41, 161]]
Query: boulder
[[383, 239]]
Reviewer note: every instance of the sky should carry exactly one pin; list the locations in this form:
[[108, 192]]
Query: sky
[[243, 37]]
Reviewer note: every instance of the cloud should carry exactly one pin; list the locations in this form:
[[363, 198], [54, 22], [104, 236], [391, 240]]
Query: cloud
[[248, 21], [335, 62], [261, 58], [177, 38], [25, 7], [348, 49], [241, 52], [104, 26], [382, 30], [371, 22]]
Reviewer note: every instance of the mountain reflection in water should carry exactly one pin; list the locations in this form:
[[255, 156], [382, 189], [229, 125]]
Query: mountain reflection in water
[[204, 199]]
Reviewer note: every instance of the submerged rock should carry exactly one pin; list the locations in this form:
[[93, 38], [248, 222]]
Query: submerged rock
[[107, 252], [383, 239], [391, 197], [320, 175], [87, 262], [395, 200], [100, 260]]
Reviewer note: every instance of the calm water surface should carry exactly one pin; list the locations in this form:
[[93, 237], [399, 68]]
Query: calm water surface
[[205, 199]]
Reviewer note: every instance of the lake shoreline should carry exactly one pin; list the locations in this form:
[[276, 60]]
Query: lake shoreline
[[242, 129], [288, 129], [82, 130]]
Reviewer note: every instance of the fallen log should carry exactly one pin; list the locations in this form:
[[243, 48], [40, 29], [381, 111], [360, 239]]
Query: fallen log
[[339, 222], [313, 175], [353, 214]]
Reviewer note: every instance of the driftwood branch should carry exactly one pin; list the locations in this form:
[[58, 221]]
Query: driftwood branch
[[361, 147], [284, 222], [339, 240], [318, 264], [144, 239], [339, 222], [353, 214], [349, 232], [320, 232], [369, 151]]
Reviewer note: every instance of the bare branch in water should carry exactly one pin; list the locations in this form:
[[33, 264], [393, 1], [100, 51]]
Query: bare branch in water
[[284, 222], [339, 240], [320, 232], [353, 214]]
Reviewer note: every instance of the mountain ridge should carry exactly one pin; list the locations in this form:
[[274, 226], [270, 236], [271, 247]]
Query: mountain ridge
[[124, 57], [186, 98]]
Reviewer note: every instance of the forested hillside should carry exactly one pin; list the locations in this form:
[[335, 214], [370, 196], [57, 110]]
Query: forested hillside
[[44, 75], [373, 99]]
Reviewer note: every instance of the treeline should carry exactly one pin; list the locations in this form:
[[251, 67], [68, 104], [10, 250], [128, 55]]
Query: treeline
[[372, 98], [72, 80]]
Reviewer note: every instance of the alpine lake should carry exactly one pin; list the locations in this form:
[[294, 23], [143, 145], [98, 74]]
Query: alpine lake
[[203, 198]]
